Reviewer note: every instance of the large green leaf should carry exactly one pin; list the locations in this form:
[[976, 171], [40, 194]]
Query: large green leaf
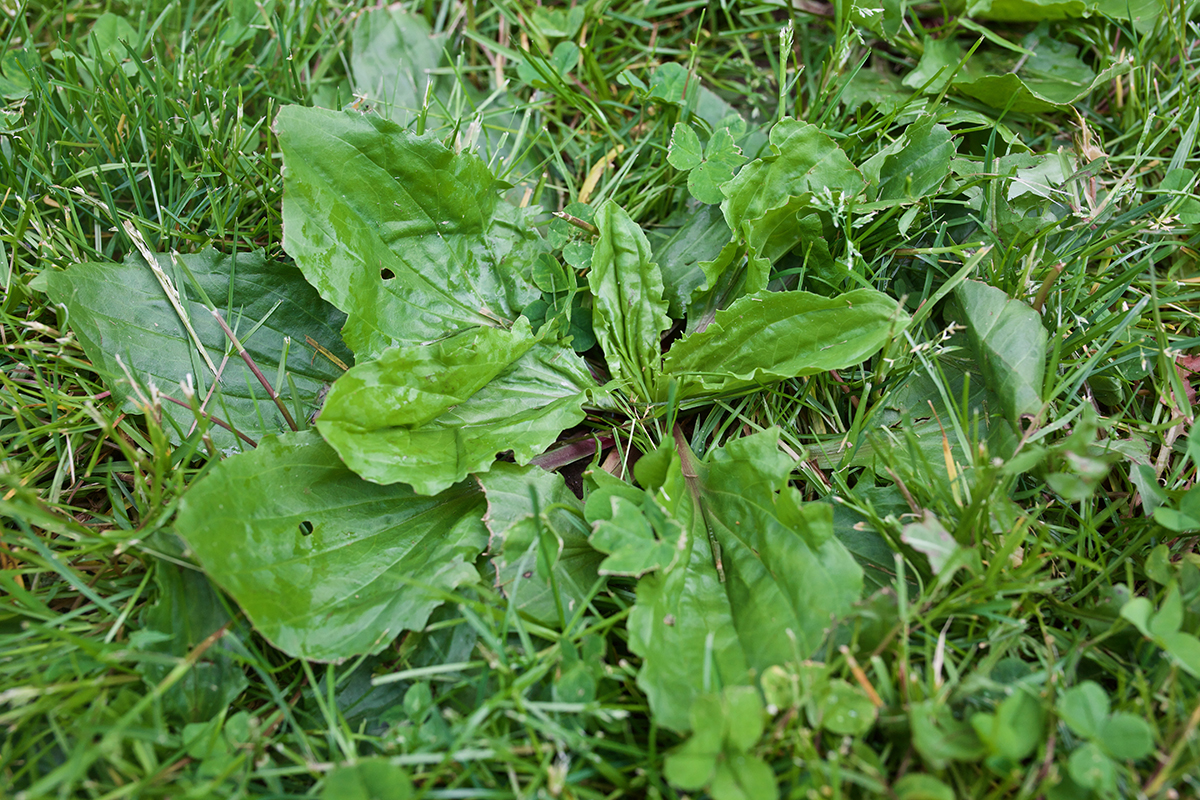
[[187, 612], [409, 386], [868, 546], [921, 165], [123, 319], [325, 564], [539, 541], [628, 310], [770, 336], [395, 60], [1026, 10], [767, 595], [679, 257], [411, 239], [1010, 342], [523, 409], [393, 53], [802, 159], [682, 624], [1046, 76]]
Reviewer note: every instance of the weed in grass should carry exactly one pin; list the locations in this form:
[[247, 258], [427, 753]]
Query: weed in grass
[[1009, 464]]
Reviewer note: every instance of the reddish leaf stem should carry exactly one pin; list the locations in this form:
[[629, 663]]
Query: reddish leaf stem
[[257, 373], [215, 420]]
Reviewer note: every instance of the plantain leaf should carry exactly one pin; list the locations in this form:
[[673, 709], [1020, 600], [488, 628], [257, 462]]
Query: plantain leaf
[[371, 419], [919, 167], [765, 595], [411, 239], [409, 386], [1026, 10], [1010, 342], [393, 55], [325, 564], [187, 612], [628, 311], [770, 336], [1046, 75], [699, 239], [124, 320]]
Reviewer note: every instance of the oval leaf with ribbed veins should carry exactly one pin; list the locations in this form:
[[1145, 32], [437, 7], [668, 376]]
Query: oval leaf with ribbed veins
[[770, 336], [628, 309], [1010, 342], [759, 578], [325, 564], [125, 321], [411, 239], [522, 409]]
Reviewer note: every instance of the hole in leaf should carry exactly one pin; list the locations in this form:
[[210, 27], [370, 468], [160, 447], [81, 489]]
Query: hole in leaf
[[306, 528], [386, 274]]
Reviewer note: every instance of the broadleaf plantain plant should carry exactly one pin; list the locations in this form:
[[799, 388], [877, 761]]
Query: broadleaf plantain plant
[[334, 544]]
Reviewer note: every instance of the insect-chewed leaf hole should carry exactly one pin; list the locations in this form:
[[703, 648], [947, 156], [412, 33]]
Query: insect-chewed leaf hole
[[306, 528], [386, 274]]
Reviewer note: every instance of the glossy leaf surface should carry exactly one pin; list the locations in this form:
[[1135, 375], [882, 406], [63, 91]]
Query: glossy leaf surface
[[771, 336], [120, 311], [1010, 342], [523, 409], [539, 541], [409, 386], [921, 165], [781, 578], [802, 159], [409, 238], [628, 311], [325, 564], [680, 257]]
